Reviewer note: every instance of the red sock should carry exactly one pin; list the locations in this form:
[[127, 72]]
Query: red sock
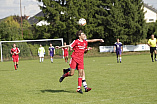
[[79, 82], [66, 74], [65, 59], [15, 66]]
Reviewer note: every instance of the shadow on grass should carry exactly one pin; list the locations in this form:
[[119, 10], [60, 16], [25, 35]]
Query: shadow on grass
[[55, 91]]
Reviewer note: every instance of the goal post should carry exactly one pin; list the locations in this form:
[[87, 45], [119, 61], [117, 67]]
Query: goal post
[[26, 43]]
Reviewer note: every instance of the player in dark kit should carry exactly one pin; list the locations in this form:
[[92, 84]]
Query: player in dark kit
[[51, 52], [15, 51], [119, 50]]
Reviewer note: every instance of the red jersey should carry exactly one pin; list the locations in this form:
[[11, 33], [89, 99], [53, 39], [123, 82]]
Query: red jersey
[[65, 50], [14, 51], [79, 48]]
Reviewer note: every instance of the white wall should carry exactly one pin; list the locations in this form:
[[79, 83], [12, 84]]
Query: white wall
[[150, 15], [139, 47], [42, 23]]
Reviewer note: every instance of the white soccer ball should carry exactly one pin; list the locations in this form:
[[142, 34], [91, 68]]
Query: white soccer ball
[[82, 21]]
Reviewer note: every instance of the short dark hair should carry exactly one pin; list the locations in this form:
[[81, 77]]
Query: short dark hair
[[78, 33]]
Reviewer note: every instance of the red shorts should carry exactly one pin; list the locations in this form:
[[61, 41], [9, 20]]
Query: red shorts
[[65, 54], [15, 59], [73, 64]]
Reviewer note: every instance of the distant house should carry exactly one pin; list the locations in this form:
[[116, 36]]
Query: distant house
[[150, 13], [34, 20]]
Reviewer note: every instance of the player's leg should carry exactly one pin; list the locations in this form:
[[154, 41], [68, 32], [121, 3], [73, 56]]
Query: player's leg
[[80, 74], [66, 70], [117, 56], [17, 62], [84, 83], [51, 58], [120, 57], [67, 58], [39, 58], [152, 57], [14, 61], [71, 73], [64, 57], [151, 51], [42, 58], [155, 55]]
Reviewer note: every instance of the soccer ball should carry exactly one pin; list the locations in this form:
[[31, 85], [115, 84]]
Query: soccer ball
[[82, 22]]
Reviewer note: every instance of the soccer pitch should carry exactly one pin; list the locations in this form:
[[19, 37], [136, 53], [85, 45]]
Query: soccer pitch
[[134, 81]]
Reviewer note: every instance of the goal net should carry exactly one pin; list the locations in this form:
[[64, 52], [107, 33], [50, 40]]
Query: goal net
[[29, 48]]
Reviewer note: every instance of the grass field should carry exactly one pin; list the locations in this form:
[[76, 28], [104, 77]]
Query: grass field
[[134, 81]]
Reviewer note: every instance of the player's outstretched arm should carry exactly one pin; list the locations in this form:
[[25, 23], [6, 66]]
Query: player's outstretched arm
[[59, 47], [95, 40]]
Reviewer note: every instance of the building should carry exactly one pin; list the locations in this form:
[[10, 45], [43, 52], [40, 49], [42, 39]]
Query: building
[[150, 13], [34, 20]]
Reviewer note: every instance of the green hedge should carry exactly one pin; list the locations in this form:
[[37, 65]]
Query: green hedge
[[27, 50]]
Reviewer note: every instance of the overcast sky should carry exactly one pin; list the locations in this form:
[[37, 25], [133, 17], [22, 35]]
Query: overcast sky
[[12, 7]]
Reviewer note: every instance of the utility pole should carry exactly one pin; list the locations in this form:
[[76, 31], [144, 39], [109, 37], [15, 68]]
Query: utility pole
[[21, 19]]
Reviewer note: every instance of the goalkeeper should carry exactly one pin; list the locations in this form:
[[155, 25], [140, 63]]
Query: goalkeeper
[[41, 53]]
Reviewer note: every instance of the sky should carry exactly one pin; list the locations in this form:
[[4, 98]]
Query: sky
[[31, 7]]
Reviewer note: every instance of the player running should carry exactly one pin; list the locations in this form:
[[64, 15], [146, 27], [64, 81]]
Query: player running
[[65, 50], [15, 51], [119, 49], [152, 44], [51, 52], [41, 53]]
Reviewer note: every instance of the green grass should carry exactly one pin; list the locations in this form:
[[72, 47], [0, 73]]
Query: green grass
[[134, 81]]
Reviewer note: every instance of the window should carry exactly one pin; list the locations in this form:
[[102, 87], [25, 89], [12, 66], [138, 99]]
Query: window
[[151, 19]]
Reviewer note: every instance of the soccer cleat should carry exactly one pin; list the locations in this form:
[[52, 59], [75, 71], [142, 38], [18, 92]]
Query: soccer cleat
[[152, 60], [87, 89], [65, 71], [61, 79], [17, 66], [79, 91], [117, 61], [120, 61], [155, 59]]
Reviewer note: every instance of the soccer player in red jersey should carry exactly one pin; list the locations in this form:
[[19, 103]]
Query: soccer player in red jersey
[[85, 51], [65, 52], [78, 45], [15, 51]]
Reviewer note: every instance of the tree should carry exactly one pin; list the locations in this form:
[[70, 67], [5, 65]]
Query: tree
[[108, 19], [10, 29], [27, 32], [126, 20], [63, 17]]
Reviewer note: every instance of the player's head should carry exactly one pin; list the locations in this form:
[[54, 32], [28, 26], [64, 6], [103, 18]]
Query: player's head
[[117, 40], [64, 43], [14, 45], [40, 45], [85, 37], [80, 35], [50, 44], [152, 36]]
